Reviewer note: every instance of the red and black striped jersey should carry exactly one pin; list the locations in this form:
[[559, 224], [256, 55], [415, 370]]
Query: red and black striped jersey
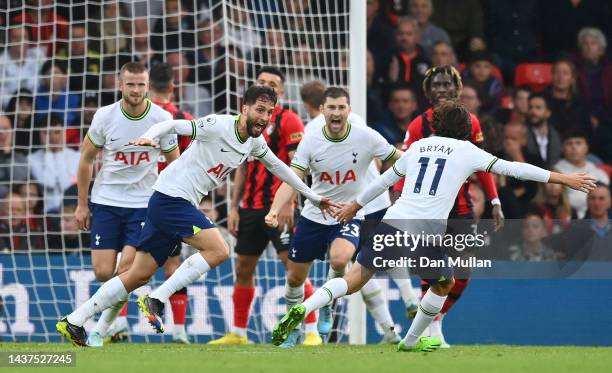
[[283, 134], [184, 141]]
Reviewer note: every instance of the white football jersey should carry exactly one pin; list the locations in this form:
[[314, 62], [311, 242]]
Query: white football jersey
[[338, 166], [128, 172], [382, 201], [435, 169], [216, 151]]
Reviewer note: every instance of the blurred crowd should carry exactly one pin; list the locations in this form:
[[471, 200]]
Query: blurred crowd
[[538, 75]]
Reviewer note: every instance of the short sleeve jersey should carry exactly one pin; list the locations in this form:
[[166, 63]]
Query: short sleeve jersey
[[338, 166], [128, 172], [216, 150]]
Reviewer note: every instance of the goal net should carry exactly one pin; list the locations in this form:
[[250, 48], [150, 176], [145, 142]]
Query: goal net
[[59, 63]]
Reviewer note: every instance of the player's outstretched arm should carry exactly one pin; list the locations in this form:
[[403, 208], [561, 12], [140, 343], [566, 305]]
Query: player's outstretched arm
[[178, 127], [526, 171], [84, 175]]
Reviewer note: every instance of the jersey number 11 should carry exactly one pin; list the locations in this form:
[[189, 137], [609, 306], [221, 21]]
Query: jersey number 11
[[424, 161]]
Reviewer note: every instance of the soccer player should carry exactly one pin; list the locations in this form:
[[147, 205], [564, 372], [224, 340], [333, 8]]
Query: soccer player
[[123, 185], [221, 143], [338, 155], [437, 166], [253, 192], [313, 96], [440, 85], [162, 88]]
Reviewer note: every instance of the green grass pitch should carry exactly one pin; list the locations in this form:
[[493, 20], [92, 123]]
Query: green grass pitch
[[170, 358]]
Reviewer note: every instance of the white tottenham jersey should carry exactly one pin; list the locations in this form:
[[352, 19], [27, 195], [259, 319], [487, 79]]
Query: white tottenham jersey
[[128, 172], [435, 169], [216, 151], [379, 203], [338, 166]]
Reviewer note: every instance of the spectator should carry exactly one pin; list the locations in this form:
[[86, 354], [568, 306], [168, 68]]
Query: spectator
[[594, 72], [300, 71], [520, 106], [552, 202], [20, 110], [114, 28], [83, 62], [491, 128], [408, 63], [210, 37], [589, 239], [190, 96], [402, 107], [63, 232], [599, 203], [568, 111], [175, 31], [14, 231], [532, 248], [442, 53], [575, 151], [53, 96], [510, 31], [270, 54], [139, 49], [560, 20], [479, 74], [241, 32], [374, 91], [463, 21], [31, 191], [54, 167], [543, 140], [430, 33], [20, 63], [236, 68], [380, 37], [13, 165], [47, 26]]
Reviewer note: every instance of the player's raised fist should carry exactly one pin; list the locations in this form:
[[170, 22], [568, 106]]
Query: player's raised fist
[[144, 142]]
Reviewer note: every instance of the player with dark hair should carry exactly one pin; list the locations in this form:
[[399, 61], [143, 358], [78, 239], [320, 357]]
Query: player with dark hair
[[221, 143], [253, 192], [438, 167], [440, 85]]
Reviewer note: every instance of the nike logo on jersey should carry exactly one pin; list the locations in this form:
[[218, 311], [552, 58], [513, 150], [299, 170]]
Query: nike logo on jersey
[[224, 151], [318, 160], [114, 139]]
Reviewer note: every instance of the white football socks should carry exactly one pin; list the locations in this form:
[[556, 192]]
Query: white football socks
[[110, 293], [376, 304], [189, 271], [430, 306], [334, 288]]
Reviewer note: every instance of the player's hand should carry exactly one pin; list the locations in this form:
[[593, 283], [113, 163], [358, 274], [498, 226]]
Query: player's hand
[[498, 216], [233, 220], [347, 212], [82, 217], [143, 141], [271, 219], [285, 217], [582, 182], [327, 206]]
